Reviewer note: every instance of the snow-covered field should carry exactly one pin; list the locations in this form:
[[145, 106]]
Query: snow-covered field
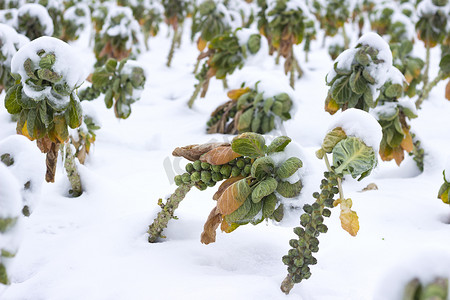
[[95, 246]]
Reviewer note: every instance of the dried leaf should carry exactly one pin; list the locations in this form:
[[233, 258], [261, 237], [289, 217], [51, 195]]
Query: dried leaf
[[398, 155], [225, 185], [349, 218], [233, 197], [447, 91], [193, 152], [44, 144], [219, 156], [209, 229], [201, 44]]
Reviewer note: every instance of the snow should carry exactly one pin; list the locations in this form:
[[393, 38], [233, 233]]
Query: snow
[[360, 124], [10, 41], [72, 74], [29, 166], [95, 246], [9, 195], [9, 17], [40, 12], [447, 170]]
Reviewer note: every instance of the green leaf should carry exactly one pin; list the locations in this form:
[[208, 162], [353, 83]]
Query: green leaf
[[277, 108], [278, 214], [28, 65], [340, 90], [111, 65], [47, 61], [3, 275], [243, 100], [7, 223], [268, 104], [269, 205], [109, 98], [249, 144], [362, 58], [289, 167], [262, 167], [240, 213], [253, 212], [100, 78], [289, 190], [31, 119], [42, 107], [352, 156], [74, 114], [444, 64], [394, 91], [11, 103], [245, 120], [264, 188], [278, 144], [254, 43], [49, 75], [368, 77], [331, 139], [357, 83]]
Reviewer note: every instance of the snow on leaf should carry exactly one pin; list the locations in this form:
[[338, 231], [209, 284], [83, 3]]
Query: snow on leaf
[[249, 144]]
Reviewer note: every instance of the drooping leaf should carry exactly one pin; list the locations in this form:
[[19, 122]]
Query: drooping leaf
[[269, 205], [239, 213], [278, 144], [352, 156], [245, 120], [61, 131], [49, 75], [262, 167], [74, 114], [194, 152], [289, 167], [330, 141], [340, 90], [11, 103], [209, 229], [289, 190], [233, 197], [225, 185], [235, 94], [348, 217], [407, 143], [357, 83], [394, 90], [443, 193], [249, 144], [444, 64], [264, 188], [219, 156], [47, 61]]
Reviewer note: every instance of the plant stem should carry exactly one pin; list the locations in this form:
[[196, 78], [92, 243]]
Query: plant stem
[[346, 39], [72, 171], [427, 88], [225, 83], [292, 76], [172, 47], [427, 65], [167, 212], [194, 96], [339, 180], [50, 160], [196, 66], [287, 284]]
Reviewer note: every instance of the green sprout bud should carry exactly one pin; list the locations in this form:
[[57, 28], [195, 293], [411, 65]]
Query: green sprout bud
[[322, 228], [216, 168], [307, 208], [293, 252], [286, 259], [197, 165], [240, 163], [315, 206], [329, 203], [326, 212], [186, 178], [189, 168], [298, 262], [211, 183], [225, 171], [178, 180], [247, 169], [314, 249], [206, 176], [235, 171], [216, 176], [316, 195], [305, 218], [297, 278], [205, 166], [293, 243], [195, 177], [299, 231], [201, 185]]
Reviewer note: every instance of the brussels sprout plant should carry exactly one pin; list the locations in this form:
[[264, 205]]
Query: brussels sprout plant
[[34, 21], [252, 187], [351, 156], [120, 82], [224, 54], [249, 110], [44, 95]]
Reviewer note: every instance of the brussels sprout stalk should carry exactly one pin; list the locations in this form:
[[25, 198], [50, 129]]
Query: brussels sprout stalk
[[167, 212], [428, 87], [72, 170], [172, 47]]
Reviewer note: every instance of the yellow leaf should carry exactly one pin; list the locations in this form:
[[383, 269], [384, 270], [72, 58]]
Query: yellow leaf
[[331, 106], [235, 94], [219, 156], [349, 218], [201, 44], [24, 131], [407, 143], [447, 91]]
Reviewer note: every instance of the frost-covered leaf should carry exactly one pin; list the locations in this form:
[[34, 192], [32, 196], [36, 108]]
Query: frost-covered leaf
[[219, 156], [278, 144], [352, 156], [331, 139], [249, 144], [233, 197], [394, 91], [264, 188], [289, 167], [289, 190], [262, 167]]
